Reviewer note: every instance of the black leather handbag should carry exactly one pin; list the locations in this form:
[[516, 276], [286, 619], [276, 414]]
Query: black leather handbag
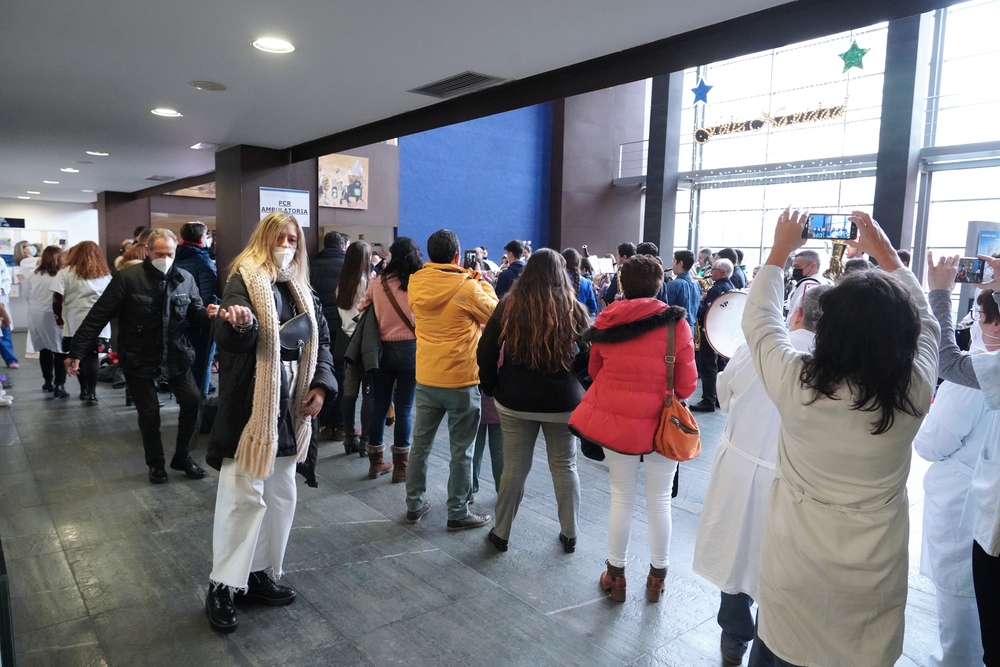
[[293, 336]]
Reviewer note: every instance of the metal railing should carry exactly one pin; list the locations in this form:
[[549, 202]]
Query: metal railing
[[632, 158]]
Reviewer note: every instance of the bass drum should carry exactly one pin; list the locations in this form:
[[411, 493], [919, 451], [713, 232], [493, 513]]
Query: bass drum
[[724, 323]]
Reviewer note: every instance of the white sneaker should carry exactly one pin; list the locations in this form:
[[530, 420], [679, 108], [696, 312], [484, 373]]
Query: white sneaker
[[6, 400]]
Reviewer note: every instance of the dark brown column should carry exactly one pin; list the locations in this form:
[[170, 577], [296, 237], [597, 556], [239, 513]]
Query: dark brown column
[[240, 172], [662, 162], [118, 214], [901, 132]]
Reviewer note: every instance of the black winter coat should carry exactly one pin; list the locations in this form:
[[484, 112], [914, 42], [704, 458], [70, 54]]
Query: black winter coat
[[151, 309], [324, 274], [199, 264], [237, 353]]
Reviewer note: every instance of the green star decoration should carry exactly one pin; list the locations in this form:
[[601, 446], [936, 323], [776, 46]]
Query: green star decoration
[[852, 56]]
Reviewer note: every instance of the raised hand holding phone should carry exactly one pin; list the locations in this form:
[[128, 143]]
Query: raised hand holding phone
[[873, 241]]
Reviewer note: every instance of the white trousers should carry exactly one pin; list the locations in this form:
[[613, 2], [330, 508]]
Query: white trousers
[[253, 518], [960, 642], [659, 482]]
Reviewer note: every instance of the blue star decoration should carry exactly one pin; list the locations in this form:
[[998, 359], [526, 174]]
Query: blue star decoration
[[852, 56], [701, 92]]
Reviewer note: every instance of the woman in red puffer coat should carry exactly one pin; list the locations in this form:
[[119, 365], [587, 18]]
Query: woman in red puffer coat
[[621, 411]]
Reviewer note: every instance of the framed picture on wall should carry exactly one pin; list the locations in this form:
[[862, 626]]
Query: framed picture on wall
[[343, 181]]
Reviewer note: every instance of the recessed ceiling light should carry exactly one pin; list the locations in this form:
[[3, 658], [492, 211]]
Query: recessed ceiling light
[[24, 197], [70, 170], [168, 113], [210, 86], [204, 146], [86, 190], [51, 182], [98, 153], [272, 45], [33, 192]]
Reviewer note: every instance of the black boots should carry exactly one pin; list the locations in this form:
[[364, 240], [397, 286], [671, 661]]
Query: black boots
[[59, 391], [261, 589], [219, 608]]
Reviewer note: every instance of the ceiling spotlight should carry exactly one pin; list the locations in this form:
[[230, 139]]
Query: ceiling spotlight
[[24, 197], [204, 146], [70, 170], [33, 192], [167, 113], [210, 86], [272, 45], [51, 182], [98, 153]]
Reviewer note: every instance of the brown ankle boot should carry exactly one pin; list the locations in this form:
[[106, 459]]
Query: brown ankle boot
[[376, 466], [399, 462], [655, 583], [613, 582]]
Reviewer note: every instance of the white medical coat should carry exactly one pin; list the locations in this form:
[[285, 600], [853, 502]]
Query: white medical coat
[[728, 548], [834, 569]]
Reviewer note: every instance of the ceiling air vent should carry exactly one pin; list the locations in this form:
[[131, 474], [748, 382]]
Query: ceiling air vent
[[160, 179], [457, 85]]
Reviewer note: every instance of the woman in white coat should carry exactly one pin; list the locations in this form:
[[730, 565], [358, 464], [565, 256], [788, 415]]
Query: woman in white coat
[[46, 334], [730, 539], [951, 437], [833, 578]]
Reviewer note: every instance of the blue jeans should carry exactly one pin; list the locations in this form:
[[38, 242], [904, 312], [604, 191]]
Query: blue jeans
[[462, 405], [396, 368], [7, 347], [204, 349], [736, 622]]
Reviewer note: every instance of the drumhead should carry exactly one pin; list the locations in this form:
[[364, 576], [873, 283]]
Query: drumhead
[[724, 323]]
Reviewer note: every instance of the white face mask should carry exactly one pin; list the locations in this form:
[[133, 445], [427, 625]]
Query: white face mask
[[163, 264], [30, 250], [282, 256]]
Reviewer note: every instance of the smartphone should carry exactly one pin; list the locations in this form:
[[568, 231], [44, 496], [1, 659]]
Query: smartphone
[[833, 226], [970, 270], [470, 259]]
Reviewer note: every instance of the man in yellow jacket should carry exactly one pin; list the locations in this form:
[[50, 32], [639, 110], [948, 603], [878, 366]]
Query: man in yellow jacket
[[450, 305]]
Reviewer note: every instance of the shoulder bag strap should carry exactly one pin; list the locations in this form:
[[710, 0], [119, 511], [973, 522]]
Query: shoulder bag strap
[[395, 305], [670, 364]]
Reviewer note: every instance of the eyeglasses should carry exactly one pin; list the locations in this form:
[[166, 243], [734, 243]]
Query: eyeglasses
[[977, 314]]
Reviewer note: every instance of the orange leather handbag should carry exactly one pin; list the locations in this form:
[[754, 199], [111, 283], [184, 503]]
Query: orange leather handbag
[[677, 436]]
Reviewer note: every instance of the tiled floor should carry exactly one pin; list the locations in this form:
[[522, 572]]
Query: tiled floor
[[108, 569]]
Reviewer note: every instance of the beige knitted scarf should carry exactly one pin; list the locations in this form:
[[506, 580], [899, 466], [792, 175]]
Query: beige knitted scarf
[[258, 444]]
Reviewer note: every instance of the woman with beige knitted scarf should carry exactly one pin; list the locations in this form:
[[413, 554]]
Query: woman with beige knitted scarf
[[271, 387]]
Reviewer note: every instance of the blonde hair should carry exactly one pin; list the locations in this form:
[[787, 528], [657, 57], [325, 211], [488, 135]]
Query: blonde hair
[[264, 237]]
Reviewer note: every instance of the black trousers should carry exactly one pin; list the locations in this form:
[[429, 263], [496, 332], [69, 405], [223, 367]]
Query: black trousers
[[986, 576], [147, 404], [52, 365], [332, 413], [89, 365]]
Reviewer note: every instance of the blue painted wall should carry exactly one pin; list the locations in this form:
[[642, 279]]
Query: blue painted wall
[[487, 180]]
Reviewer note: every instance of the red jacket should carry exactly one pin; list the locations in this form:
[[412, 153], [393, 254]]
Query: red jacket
[[621, 410]]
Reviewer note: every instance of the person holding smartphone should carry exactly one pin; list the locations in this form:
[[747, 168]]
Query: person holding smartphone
[[269, 394]]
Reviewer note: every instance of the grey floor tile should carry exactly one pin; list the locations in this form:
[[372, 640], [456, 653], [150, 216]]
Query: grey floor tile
[[698, 647], [296, 634], [40, 610], [167, 631], [39, 574], [493, 628], [71, 643], [100, 518], [19, 490], [13, 458]]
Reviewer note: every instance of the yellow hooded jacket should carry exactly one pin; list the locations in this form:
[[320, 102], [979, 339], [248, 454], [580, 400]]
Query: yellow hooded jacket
[[450, 304]]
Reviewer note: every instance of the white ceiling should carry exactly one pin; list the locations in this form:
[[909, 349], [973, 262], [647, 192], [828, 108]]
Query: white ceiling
[[78, 76]]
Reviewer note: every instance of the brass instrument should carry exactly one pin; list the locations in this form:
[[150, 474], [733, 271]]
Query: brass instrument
[[836, 261]]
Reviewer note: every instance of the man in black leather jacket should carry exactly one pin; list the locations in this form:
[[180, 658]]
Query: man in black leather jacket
[[152, 301], [324, 274]]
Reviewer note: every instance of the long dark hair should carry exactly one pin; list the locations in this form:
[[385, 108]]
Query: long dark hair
[[542, 317], [405, 261], [357, 268], [866, 339], [51, 262], [573, 258]]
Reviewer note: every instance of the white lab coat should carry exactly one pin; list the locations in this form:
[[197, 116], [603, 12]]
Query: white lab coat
[[951, 437], [982, 509], [728, 548], [79, 296], [45, 333], [834, 570]]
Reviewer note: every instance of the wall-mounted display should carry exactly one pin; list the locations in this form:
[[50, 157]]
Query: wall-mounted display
[[343, 181]]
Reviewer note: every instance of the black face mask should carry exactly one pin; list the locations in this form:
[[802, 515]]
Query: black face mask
[[797, 275]]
